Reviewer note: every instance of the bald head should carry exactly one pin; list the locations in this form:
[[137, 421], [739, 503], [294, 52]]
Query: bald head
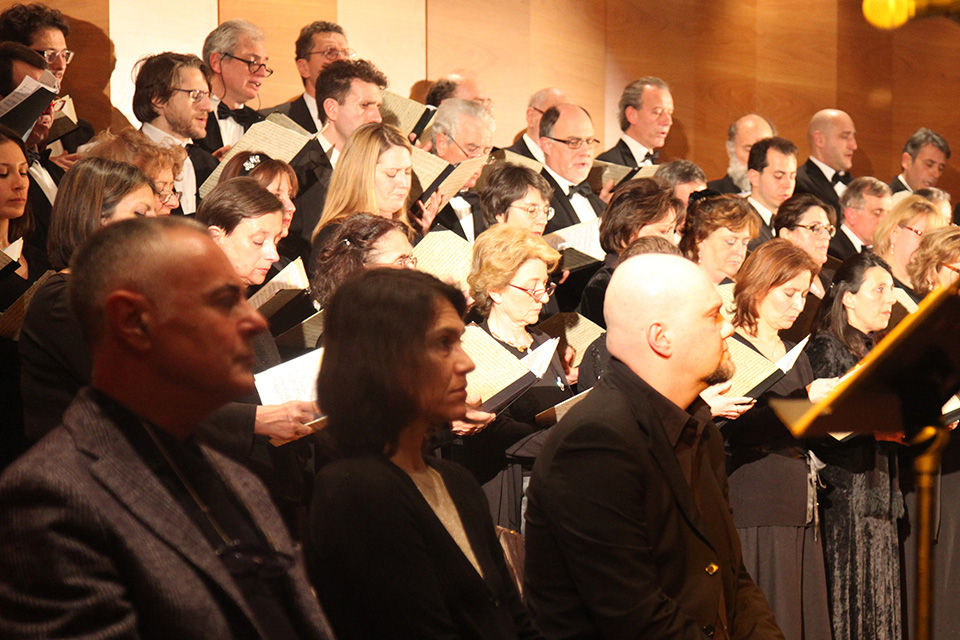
[[743, 133], [538, 105], [663, 322], [833, 138]]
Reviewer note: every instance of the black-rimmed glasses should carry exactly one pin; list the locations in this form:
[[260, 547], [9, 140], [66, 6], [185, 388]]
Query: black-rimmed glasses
[[539, 295], [254, 66], [335, 54], [817, 229], [576, 143]]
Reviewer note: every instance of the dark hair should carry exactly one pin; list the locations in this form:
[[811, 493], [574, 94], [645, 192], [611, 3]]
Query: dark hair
[[680, 172], [549, 120], [648, 244], [304, 42], [86, 196], [374, 362], [505, 183], [157, 78], [337, 77], [260, 167], [768, 266], [789, 214], [757, 160], [632, 96], [707, 214], [231, 202], [9, 52], [440, 90], [346, 253], [111, 253], [21, 22], [923, 137], [634, 205], [832, 315], [18, 227]]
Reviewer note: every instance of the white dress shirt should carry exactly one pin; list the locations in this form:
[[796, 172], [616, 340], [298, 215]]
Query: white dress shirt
[[311, 103], [186, 182], [581, 205], [464, 215], [828, 172], [765, 214], [534, 148], [638, 150], [857, 242], [230, 130], [332, 153]]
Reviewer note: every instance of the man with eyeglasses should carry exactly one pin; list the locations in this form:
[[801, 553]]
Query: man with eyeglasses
[[567, 140], [237, 58], [319, 44], [45, 30], [172, 100], [529, 143], [865, 202], [462, 129], [772, 170], [646, 115]]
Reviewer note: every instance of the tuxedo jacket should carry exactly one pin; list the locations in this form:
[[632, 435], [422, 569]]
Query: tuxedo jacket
[[810, 179], [203, 165], [447, 218], [563, 212], [521, 147], [897, 185], [840, 246], [93, 545], [617, 545], [724, 185], [213, 139], [619, 154], [766, 231], [40, 206], [297, 111], [313, 169]]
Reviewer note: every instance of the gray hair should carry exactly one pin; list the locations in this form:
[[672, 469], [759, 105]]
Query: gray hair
[[539, 97], [632, 96], [923, 137], [224, 38], [859, 187], [449, 115], [680, 172]]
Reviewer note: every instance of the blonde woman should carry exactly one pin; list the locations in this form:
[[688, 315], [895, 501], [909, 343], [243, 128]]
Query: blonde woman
[[898, 235]]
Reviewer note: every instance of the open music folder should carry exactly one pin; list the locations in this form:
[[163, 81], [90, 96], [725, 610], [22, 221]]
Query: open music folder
[[280, 290], [573, 330]]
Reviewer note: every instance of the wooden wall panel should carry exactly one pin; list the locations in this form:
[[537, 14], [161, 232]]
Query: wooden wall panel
[[282, 21]]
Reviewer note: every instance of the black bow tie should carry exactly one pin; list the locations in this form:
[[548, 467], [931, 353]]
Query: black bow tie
[[33, 156], [244, 116], [843, 177], [652, 156], [583, 189]]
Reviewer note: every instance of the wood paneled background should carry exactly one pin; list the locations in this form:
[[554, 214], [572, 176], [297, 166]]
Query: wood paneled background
[[782, 58]]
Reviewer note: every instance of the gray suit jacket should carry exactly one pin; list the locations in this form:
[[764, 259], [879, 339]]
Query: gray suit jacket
[[93, 546]]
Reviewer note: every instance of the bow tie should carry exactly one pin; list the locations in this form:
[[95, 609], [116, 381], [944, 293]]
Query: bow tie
[[844, 177], [243, 116], [33, 156], [583, 189], [652, 157]]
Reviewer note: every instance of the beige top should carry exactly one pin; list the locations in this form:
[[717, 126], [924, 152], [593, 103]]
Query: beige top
[[435, 492]]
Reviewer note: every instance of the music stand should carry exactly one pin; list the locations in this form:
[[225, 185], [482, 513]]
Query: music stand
[[901, 385]]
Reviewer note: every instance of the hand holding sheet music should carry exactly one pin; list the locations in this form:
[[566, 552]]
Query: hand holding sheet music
[[294, 381]]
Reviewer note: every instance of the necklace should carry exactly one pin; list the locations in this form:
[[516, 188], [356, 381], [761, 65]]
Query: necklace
[[519, 347]]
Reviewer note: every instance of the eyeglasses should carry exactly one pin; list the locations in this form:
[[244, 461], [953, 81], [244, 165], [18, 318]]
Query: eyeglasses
[[818, 229], [950, 267], [165, 197], [254, 66], [335, 54], [539, 295], [486, 103], [533, 211], [57, 105], [403, 262], [52, 54], [476, 153], [196, 95], [576, 143], [919, 232]]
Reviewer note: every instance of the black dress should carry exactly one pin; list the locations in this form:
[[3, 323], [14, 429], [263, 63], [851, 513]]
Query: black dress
[[773, 494], [859, 511]]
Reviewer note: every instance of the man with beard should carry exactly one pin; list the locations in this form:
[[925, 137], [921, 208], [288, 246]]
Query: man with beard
[[172, 100], [629, 532], [740, 138]]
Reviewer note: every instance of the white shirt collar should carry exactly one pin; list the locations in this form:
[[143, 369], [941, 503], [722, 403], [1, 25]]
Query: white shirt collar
[[534, 148], [638, 150], [903, 179], [332, 153], [857, 242], [311, 103], [765, 213], [159, 135], [827, 171], [562, 182]]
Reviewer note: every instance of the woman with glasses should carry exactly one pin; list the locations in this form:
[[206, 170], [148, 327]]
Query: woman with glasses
[[936, 262], [509, 285], [161, 163], [899, 233], [516, 196], [638, 208], [401, 544], [719, 228]]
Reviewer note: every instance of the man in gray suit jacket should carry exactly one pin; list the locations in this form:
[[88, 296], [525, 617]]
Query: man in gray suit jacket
[[118, 523]]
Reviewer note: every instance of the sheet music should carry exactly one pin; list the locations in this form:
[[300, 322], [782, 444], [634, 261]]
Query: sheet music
[[403, 113], [573, 330], [584, 237], [12, 252], [446, 255], [27, 87], [24, 105], [505, 155], [790, 357], [12, 319], [292, 279], [304, 335], [453, 183], [554, 414], [292, 380], [426, 169], [727, 306], [496, 368], [904, 299], [278, 141], [751, 368], [287, 123], [602, 172], [538, 360]]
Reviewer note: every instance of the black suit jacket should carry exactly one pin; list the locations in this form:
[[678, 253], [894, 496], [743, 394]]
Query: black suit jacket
[[724, 185], [313, 170], [766, 231], [563, 212], [40, 206], [447, 218], [617, 546], [810, 179], [82, 508], [521, 147], [840, 246], [619, 154], [897, 185], [213, 139], [297, 111], [203, 165]]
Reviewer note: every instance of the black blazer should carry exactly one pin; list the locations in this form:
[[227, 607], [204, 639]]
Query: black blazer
[[564, 215], [840, 246], [617, 546], [521, 147], [766, 231], [72, 140], [384, 566], [213, 139], [447, 218], [40, 206], [297, 111], [810, 179], [724, 185], [897, 185], [203, 165], [314, 171], [619, 154]]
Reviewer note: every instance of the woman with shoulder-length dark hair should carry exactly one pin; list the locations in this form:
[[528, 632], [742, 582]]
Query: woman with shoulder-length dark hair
[[862, 502], [401, 545]]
